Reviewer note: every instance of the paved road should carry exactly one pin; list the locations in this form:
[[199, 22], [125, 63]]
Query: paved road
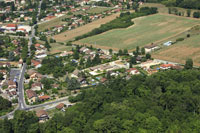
[[21, 100]]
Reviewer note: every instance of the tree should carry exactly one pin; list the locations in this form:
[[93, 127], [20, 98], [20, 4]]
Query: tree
[[133, 60], [128, 6], [120, 52], [169, 10], [11, 56], [188, 13], [73, 84], [1, 76], [143, 51], [76, 55], [189, 64], [148, 56], [135, 6], [110, 51], [138, 50], [196, 14], [125, 52], [23, 121], [47, 45]]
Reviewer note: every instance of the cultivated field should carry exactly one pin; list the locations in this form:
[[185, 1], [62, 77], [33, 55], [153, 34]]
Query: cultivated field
[[146, 30], [69, 35], [97, 10], [181, 51]]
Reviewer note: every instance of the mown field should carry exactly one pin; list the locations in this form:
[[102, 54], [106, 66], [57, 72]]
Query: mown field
[[181, 51], [68, 35], [146, 30]]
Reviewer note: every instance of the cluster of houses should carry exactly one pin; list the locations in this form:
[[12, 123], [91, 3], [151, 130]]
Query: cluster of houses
[[36, 78], [14, 28], [8, 86], [41, 51], [75, 21]]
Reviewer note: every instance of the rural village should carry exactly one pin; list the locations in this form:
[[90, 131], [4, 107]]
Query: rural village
[[43, 66]]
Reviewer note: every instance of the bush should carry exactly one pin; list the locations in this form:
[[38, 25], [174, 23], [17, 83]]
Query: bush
[[179, 39]]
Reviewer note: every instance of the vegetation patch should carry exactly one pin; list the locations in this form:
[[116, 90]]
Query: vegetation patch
[[147, 30]]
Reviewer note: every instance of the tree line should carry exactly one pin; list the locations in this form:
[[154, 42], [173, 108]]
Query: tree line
[[190, 4], [123, 21]]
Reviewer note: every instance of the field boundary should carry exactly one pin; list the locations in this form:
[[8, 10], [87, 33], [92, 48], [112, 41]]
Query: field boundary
[[156, 42]]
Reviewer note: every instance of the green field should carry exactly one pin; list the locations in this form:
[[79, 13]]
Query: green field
[[146, 30], [181, 51]]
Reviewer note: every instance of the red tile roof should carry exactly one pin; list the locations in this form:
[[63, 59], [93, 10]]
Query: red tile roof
[[60, 106], [41, 112], [35, 63], [31, 93], [11, 25], [45, 97], [166, 65]]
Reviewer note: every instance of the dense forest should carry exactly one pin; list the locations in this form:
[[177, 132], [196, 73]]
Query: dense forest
[[191, 4], [164, 102], [4, 104]]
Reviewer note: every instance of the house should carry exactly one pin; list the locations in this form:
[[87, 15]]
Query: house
[[2, 64], [103, 80], [82, 80], [31, 95], [166, 66], [55, 86], [65, 53], [167, 43], [60, 106], [35, 76], [151, 48], [37, 86], [133, 71], [12, 84], [41, 55], [44, 97], [36, 63], [106, 57], [42, 115], [12, 27], [83, 49]]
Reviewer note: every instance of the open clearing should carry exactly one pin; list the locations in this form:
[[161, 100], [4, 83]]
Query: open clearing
[[57, 48], [146, 30], [69, 35], [181, 51]]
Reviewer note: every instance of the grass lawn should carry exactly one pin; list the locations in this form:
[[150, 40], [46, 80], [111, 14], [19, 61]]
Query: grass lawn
[[181, 51], [146, 30], [56, 48]]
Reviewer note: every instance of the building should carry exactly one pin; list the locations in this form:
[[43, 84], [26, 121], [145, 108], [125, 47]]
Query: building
[[151, 48], [44, 97], [166, 66], [31, 95], [42, 115], [60, 106], [133, 71], [36, 63], [167, 43], [37, 86]]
